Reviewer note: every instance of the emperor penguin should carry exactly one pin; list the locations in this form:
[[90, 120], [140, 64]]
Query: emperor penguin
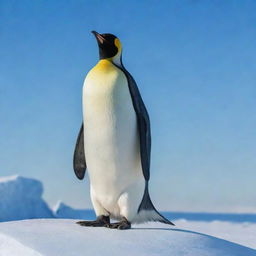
[[114, 142]]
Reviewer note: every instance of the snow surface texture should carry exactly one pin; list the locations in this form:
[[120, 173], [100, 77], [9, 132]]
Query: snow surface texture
[[240, 232], [21, 198], [60, 237]]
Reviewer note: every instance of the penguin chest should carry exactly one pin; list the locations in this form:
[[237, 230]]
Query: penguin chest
[[110, 131]]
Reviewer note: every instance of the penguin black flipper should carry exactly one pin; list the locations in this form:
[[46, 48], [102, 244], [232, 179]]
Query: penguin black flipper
[[79, 163], [143, 124], [146, 204]]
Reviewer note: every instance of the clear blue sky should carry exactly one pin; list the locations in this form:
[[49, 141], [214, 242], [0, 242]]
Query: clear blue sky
[[194, 62]]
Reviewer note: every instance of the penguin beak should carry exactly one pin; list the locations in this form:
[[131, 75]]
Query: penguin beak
[[100, 39]]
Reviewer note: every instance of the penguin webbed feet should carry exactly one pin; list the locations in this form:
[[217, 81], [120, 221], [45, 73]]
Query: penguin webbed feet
[[123, 224], [104, 221], [101, 221]]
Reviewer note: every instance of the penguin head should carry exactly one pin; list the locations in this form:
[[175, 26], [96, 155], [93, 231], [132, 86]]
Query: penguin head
[[109, 47]]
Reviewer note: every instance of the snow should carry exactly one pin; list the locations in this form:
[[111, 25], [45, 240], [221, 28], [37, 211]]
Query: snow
[[242, 233], [62, 237], [197, 234], [236, 230], [21, 198], [9, 246]]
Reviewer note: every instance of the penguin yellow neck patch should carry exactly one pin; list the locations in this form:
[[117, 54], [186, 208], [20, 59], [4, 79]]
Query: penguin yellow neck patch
[[118, 45], [104, 65]]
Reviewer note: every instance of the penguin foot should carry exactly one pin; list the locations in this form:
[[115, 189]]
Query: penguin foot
[[101, 221], [123, 224]]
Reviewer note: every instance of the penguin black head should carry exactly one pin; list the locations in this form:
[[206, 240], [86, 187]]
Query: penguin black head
[[109, 46]]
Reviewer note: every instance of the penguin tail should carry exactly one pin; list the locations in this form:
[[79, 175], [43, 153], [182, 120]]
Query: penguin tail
[[151, 215], [147, 211]]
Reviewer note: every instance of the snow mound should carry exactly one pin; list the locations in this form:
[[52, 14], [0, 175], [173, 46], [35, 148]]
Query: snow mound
[[61, 237], [21, 198]]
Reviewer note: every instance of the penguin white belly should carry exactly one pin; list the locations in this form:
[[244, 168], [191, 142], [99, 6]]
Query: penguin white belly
[[111, 142]]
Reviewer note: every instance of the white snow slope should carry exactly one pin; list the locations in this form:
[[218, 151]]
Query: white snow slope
[[61, 237], [240, 232]]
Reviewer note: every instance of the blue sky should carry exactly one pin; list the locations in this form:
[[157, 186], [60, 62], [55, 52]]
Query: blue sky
[[194, 62]]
